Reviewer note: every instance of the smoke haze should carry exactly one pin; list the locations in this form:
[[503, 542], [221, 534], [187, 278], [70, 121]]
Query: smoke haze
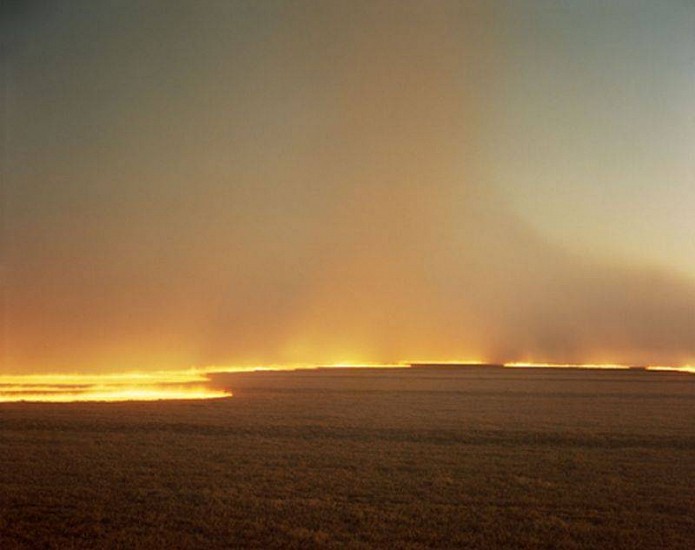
[[240, 182]]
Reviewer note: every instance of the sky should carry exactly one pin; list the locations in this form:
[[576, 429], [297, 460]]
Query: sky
[[211, 182]]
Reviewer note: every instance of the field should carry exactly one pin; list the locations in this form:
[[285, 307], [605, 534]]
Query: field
[[388, 458]]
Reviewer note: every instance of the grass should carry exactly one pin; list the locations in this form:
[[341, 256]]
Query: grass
[[415, 458]]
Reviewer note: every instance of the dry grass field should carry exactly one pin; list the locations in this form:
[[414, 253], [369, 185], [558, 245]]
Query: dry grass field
[[407, 458]]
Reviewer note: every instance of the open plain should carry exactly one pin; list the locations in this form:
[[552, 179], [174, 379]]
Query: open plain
[[390, 458]]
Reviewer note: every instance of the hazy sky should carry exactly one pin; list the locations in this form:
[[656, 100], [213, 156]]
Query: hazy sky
[[216, 182]]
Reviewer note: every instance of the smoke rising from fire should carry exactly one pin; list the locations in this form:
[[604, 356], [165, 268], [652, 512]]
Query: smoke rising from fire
[[280, 182]]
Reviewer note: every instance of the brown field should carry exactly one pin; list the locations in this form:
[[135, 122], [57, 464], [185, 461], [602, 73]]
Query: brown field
[[408, 458]]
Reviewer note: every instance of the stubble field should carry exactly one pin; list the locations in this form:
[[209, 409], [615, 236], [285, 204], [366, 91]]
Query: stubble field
[[390, 458]]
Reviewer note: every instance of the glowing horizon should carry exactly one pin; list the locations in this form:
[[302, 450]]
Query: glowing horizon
[[193, 383]]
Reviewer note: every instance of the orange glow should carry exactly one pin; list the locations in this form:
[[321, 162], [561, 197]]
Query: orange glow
[[349, 365], [138, 386], [597, 366], [466, 362], [689, 369], [122, 378], [221, 369], [106, 394], [194, 383], [134, 386]]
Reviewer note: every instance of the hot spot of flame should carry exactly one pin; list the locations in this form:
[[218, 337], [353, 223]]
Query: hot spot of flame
[[194, 383], [599, 366], [113, 394], [133, 386], [690, 369]]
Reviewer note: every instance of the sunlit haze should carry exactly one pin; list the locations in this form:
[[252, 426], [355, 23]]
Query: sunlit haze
[[342, 182]]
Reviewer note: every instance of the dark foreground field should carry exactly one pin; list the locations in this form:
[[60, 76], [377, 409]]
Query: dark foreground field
[[425, 457]]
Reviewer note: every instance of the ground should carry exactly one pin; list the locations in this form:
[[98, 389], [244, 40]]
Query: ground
[[408, 458]]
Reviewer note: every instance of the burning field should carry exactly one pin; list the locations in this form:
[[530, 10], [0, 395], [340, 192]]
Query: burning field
[[431, 456]]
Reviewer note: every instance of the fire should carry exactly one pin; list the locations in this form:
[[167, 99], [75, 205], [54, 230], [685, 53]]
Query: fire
[[600, 366], [138, 386], [133, 386], [690, 369], [106, 394], [195, 383]]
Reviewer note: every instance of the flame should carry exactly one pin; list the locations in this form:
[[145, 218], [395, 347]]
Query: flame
[[689, 369], [194, 383], [130, 393], [129, 386], [121, 378], [222, 369], [467, 362], [138, 386], [598, 366]]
